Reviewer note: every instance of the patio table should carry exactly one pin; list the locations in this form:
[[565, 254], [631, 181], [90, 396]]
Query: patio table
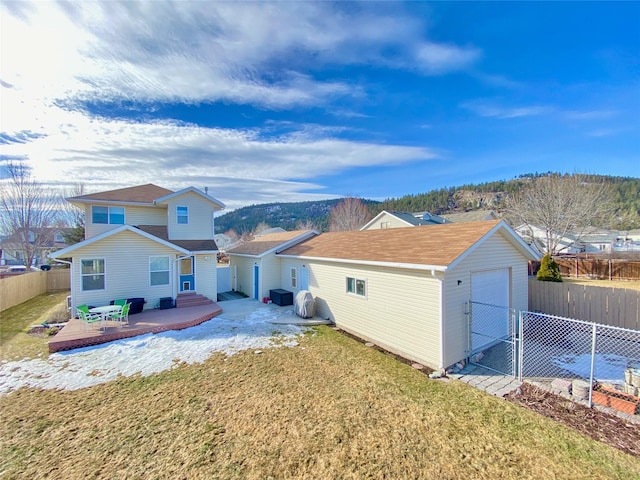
[[106, 311]]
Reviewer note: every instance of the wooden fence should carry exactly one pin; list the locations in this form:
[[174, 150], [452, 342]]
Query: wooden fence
[[601, 268], [618, 307], [15, 289]]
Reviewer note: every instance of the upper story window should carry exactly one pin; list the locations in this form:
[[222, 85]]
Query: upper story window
[[58, 237], [107, 215], [182, 215]]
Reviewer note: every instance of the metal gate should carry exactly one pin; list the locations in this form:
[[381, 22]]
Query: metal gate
[[493, 335]]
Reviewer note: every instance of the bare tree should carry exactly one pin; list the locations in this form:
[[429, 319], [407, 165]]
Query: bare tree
[[563, 207], [306, 225], [74, 216], [27, 210], [350, 214]]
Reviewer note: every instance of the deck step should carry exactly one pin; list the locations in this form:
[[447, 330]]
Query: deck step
[[192, 300]]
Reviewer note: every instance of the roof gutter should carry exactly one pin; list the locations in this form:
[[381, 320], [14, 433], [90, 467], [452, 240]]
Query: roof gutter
[[373, 263]]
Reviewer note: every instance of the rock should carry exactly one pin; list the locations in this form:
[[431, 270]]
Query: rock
[[417, 366]]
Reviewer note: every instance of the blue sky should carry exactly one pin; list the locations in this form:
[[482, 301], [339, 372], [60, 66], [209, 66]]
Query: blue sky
[[292, 101]]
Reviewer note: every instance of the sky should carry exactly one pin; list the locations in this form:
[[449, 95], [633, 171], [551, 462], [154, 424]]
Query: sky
[[293, 101]]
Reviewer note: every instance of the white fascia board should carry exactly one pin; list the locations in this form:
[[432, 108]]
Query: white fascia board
[[408, 266], [112, 202], [65, 251], [192, 190], [246, 255], [204, 252]]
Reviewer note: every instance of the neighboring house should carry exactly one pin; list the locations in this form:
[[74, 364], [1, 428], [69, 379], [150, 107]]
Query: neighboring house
[[404, 289], [593, 240], [254, 267], [144, 242], [392, 219], [471, 216], [44, 240]]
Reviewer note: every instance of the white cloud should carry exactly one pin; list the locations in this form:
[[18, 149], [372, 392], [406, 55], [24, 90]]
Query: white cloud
[[591, 114], [437, 59], [57, 56], [238, 165], [489, 109]]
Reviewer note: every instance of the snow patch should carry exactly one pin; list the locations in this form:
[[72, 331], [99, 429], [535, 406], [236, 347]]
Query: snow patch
[[147, 354]]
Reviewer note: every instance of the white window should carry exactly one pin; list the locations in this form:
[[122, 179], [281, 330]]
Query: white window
[[294, 279], [59, 237], [107, 215], [159, 271], [93, 274], [182, 215], [357, 286]]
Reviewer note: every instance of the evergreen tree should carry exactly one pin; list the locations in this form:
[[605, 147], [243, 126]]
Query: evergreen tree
[[549, 270]]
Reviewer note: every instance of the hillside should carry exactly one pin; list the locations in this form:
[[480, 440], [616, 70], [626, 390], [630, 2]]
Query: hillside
[[484, 196]]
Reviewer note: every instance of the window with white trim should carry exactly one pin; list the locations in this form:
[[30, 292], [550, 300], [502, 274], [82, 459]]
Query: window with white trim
[[182, 215], [294, 278], [107, 215], [357, 286], [92, 274], [159, 271]]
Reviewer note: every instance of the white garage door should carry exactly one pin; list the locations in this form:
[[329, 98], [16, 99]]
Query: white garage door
[[489, 309]]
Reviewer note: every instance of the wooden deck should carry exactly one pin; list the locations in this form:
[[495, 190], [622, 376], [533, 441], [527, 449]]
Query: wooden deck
[[75, 335]]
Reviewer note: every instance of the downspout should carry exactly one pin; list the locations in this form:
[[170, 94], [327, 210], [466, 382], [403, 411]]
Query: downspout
[[441, 315], [73, 306]]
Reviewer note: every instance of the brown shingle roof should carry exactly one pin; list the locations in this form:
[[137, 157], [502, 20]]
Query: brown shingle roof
[[437, 245], [161, 232], [267, 242], [141, 194]]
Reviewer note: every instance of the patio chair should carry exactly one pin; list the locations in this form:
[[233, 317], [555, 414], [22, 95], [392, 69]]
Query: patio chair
[[121, 301], [123, 316], [87, 317]]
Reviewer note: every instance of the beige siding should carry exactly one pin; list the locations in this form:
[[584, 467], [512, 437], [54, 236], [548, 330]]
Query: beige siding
[[243, 269], [400, 312], [270, 275], [495, 253], [206, 280], [394, 222], [127, 270], [132, 216], [200, 224]]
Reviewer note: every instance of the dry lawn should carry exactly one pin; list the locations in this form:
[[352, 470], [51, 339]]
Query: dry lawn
[[329, 408], [15, 344], [629, 284]]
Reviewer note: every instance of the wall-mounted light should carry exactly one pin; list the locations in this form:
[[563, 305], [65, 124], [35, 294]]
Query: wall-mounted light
[[459, 282]]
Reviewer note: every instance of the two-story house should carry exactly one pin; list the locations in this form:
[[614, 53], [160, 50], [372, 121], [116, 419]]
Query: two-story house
[[143, 242]]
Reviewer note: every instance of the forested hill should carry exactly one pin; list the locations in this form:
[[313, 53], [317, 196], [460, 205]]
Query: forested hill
[[484, 196]]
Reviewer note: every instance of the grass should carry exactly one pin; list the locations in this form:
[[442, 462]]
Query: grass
[[15, 322], [629, 284], [329, 408]]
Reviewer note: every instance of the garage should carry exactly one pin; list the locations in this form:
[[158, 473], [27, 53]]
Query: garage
[[490, 301]]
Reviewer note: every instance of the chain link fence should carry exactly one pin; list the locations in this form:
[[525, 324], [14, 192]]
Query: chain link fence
[[558, 351], [492, 336]]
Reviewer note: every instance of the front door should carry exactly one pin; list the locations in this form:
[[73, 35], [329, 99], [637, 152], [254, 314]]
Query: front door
[[187, 277], [304, 279]]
